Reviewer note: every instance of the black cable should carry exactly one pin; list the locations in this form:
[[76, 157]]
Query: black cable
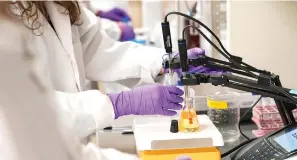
[[197, 21], [204, 36], [213, 45], [213, 34], [187, 27], [237, 147], [226, 55], [220, 51], [253, 105], [241, 118]]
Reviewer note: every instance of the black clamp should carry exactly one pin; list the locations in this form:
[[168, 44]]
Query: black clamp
[[264, 79], [189, 79]]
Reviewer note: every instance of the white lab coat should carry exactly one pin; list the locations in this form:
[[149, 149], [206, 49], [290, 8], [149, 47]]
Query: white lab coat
[[70, 54], [31, 124], [111, 27], [113, 30]]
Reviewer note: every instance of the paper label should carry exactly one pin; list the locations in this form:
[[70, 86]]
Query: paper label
[[217, 104]]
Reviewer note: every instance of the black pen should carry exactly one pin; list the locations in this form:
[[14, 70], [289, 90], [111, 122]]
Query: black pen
[[117, 127], [127, 132], [108, 128]]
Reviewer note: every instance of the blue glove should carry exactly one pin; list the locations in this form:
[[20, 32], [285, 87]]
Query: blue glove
[[127, 30], [147, 100], [194, 53], [115, 14], [183, 158]]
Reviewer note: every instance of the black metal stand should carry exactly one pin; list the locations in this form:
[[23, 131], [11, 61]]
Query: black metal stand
[[284, 104], [285, 109], [259, 86]]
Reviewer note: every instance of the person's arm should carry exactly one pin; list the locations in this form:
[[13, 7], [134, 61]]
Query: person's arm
[[118, 31], [31, 122], [85, 112], [112, 28], [107, 60]]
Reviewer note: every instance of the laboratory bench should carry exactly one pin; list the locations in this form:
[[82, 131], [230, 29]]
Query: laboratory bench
[[126, 143], [247, 128]]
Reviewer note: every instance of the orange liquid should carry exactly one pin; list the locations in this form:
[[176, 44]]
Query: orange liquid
[[188, 121]]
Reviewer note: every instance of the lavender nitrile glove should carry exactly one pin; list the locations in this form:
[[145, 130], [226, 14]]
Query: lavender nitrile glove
[[194, 53], [183, 158], [127, 32], [115, 14], [147, 100]]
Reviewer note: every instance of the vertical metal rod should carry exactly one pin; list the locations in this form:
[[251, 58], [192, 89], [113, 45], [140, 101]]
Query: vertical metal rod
[[187, 94]]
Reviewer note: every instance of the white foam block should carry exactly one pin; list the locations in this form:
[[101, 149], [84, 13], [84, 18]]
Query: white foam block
[[153, 133]]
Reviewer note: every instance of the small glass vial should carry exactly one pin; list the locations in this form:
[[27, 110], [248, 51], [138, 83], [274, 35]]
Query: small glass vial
[[188, 118]]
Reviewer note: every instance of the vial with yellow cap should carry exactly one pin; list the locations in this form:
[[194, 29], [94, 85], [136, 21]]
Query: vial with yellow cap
[[188, 118]]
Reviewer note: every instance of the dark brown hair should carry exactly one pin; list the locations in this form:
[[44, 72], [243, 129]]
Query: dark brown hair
[[3, 8], [29, 10]]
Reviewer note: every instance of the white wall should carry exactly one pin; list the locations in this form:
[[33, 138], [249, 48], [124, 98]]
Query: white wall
[[109, 4], [265, 35], [152, 12]]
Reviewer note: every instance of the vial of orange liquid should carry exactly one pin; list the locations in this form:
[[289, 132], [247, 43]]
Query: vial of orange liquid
[[188, 118]]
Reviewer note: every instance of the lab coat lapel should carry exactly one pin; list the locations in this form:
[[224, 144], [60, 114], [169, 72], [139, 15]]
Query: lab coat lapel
[[62, 26], [61, 23]]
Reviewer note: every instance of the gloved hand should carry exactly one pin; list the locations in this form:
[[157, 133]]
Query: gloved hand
[[194, 53], [183, 158], [127, 32], [147, 100], [115, 14]]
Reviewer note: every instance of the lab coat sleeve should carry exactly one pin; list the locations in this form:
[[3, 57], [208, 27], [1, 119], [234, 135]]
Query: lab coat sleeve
[[107, 60], [85, 112], [112, 28]]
